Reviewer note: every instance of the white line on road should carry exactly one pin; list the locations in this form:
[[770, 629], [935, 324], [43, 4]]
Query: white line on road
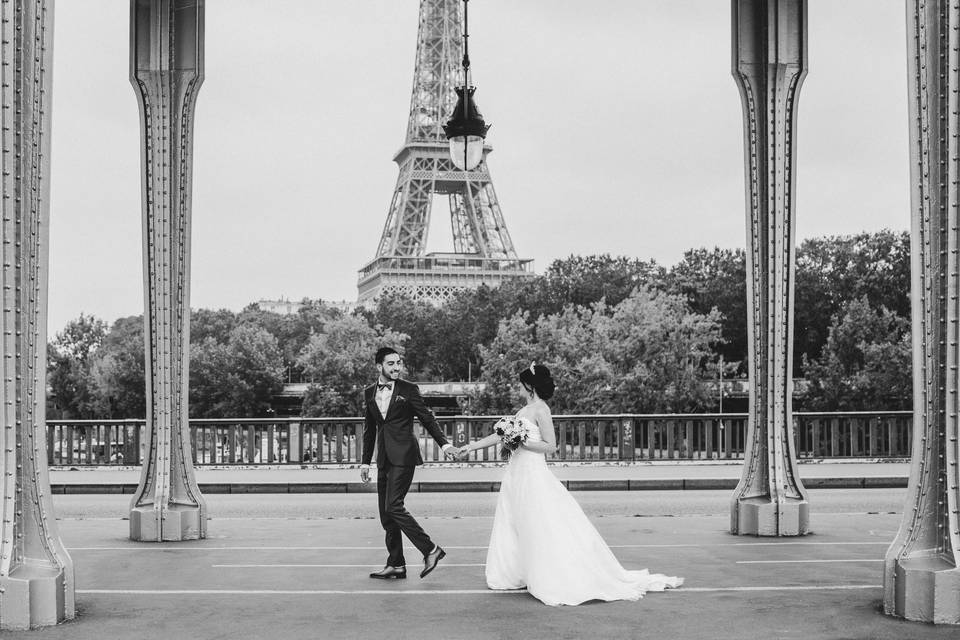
[[319, 566], [420, 592], [835, 587], [447, 564], [287, 592], [149, 546], [807, 561]]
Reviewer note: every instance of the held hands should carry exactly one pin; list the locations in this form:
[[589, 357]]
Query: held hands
[[456, 453], [451, 452]]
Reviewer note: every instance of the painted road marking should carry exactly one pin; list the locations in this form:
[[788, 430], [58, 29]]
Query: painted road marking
[[835, 587], [446, 564], [319, 566], [152, 546], [420, 592], [806, 561], [285, 592]]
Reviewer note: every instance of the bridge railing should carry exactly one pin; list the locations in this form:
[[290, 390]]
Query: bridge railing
[[297, 441]]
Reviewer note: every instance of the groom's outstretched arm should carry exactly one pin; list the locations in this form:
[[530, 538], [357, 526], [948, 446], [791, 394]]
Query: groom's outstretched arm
[[426, 417]]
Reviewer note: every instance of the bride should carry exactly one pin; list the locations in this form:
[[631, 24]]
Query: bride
[[541, 538]]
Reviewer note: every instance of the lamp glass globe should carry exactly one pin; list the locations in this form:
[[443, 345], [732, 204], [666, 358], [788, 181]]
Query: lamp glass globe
[[466, 151]]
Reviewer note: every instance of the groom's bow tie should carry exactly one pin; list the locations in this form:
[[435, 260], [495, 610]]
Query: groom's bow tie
[[384, 385]]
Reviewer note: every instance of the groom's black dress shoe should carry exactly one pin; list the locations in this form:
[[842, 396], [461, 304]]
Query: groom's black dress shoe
[[390, 573], [431, 559]]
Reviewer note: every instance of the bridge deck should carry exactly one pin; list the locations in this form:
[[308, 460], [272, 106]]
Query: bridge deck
[[305, 577]]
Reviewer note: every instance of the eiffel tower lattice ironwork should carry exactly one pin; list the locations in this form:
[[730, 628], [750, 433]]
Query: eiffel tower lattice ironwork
[[483, 250]]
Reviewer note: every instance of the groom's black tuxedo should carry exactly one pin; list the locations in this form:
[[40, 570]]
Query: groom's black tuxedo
[[398, 454], [398, 444]]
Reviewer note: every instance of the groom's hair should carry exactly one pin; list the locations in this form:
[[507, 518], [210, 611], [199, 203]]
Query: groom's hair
[[383, 352]]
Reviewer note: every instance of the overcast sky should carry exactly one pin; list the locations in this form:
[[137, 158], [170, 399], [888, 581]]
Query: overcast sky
[[617, 128]]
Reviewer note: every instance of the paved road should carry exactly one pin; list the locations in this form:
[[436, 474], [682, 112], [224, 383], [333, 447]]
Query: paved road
[[295, 567]]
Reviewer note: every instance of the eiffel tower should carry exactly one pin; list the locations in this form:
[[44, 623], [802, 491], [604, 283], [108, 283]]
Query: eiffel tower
[[483, 251]]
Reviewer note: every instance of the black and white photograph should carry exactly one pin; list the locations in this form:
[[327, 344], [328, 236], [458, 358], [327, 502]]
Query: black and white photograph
[[480, 319]]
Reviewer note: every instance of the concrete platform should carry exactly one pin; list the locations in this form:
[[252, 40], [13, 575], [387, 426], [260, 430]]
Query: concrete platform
[[638, 476]]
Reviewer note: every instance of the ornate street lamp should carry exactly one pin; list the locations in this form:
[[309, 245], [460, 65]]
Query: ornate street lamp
[[466, 129]]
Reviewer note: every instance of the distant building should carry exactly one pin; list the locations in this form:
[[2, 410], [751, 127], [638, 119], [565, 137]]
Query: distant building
[[282, 306], [288, 307]]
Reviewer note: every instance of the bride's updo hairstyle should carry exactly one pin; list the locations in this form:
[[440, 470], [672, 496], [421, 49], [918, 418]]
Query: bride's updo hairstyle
[[538, 378]]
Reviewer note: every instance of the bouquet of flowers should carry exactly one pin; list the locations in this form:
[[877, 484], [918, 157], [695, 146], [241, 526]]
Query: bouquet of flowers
[[512, 434]]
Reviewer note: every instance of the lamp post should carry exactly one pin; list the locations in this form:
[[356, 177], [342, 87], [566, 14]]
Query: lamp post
[[466, 129]]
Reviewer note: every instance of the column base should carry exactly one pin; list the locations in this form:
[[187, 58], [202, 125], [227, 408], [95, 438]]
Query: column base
[[926, 589], [763, 517], [173, 523], [35, 596]]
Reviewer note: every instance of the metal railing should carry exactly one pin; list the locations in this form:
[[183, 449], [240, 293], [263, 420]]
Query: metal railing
[[299, 441]]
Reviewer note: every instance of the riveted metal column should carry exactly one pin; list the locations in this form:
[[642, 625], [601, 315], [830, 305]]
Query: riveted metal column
[[36, 572], [166, 69], [921, 577], [769, 64]]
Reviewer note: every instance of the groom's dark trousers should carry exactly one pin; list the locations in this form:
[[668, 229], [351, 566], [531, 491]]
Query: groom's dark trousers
[[398, 455]]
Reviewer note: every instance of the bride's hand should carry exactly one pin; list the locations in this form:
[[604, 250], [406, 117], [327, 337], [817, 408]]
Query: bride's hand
[[462, 453]]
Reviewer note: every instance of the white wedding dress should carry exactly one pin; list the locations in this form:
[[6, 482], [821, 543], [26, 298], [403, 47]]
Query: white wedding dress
[[543, 541]]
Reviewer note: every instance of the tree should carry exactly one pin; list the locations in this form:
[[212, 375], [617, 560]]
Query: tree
[[646, 354], [339, 363], [865, 364], [207, 323], [585, 280], [69, 358], [236, 379], [117, 371], [832, 271], [292, 331], [661, 351], [421, 321], [513, 348], [717, 279], [468, 320], [471, 317]]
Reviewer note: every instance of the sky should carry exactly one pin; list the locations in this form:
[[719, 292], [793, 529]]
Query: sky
[[617, 128]]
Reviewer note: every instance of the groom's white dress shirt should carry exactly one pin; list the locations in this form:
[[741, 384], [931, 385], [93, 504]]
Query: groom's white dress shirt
[[383, 399]]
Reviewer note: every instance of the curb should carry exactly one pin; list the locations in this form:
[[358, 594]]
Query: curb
[[486, 486]]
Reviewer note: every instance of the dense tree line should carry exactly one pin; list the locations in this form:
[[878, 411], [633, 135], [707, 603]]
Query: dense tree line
[[622, 334], [647, 354]]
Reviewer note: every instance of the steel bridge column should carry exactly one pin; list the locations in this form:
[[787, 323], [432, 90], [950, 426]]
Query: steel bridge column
[[36, 572], [166, 70], [769, 64], [921, 578]]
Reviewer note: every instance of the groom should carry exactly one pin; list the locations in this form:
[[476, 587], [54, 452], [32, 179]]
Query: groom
[[391, 404]]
